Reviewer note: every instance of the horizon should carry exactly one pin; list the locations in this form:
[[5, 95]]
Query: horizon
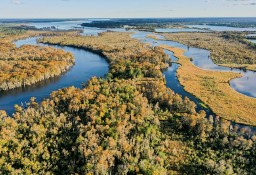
[[135, 17]]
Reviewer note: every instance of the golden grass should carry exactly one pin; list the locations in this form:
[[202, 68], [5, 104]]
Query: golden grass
[[213, 88], [223, 51], [152, 36], [251, 67]]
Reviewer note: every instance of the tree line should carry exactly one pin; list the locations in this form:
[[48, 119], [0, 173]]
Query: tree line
[[27, 65], [128, 122]]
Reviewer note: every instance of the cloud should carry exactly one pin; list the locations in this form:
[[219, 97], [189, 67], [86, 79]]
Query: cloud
[[17, 2], [242, 2]]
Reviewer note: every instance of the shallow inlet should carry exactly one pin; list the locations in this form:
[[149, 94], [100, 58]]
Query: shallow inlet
[[244, 85], [201, 58], [87, 65], [221, 28]]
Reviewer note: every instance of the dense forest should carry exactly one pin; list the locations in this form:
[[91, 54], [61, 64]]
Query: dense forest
[[126, 123], [28, 64], [226, 49], [110, 127], [128, 57], [166, 22]]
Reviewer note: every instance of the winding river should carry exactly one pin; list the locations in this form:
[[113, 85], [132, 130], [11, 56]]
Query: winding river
[[87, 65], [201, 58]]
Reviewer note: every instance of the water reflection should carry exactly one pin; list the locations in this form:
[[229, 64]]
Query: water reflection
[[87, 65], [201, 58], [198, 55]]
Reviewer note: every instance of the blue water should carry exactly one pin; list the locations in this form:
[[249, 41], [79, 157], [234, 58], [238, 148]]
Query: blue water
[[176, 30], [61, 24], [252, 40], [89, 64], [197, 54], [221, 28], [172, 81], [74, 24], [201, 58], [86, 66]]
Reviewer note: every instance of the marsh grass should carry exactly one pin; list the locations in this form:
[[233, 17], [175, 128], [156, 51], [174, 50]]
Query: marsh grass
[[212, 87]]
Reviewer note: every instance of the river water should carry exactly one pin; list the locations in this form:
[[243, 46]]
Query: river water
[[87, 65], [201, 58], [221, 28], [252, 40]]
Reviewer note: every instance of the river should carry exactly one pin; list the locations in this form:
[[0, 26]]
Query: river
[[201, 59], [87, 65], [222, 28]]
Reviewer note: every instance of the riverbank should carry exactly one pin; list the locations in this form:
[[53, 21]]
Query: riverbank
[[128, 57], [27, 65], [126, 122], [213, 89], [86, 66], [224, 51], [251, 67], [124, 99]]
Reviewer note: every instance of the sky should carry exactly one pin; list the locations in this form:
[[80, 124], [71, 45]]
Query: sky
[[126, 8]]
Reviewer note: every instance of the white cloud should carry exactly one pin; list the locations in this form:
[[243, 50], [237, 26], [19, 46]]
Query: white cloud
[[243, 2], [18, 2]]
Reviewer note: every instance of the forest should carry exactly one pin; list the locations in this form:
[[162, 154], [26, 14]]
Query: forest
[[27, 65], [128, 57], [128, 122]]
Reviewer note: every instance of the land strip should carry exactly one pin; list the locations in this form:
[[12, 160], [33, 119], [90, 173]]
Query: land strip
[[212, 87]]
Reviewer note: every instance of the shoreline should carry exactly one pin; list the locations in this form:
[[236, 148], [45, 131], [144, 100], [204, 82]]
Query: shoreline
[[182, 73]]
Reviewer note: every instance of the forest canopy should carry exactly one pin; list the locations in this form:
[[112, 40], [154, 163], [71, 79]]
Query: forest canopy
[[28, 64], [128, 122]]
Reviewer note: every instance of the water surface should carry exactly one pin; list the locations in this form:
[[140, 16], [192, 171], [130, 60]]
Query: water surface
[[87, 65], [222, 28], [177, 30], [201, 58], [252, 40]]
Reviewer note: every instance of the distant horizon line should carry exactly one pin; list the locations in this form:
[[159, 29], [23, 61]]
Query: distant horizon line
[[129, 17]]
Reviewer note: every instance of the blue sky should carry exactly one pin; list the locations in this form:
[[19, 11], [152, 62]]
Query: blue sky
[[126, 8]]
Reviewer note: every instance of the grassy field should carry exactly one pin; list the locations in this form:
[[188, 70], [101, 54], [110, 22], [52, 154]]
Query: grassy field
[[251, 67], [224, 52], [213, 89]]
